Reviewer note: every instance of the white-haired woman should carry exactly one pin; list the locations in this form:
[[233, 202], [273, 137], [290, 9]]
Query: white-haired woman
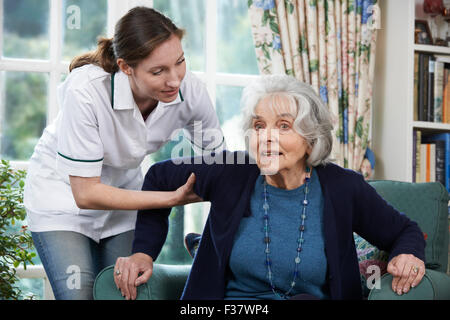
[[282, 217]]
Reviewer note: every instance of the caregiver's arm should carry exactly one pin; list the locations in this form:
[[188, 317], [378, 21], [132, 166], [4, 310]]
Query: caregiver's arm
[[152, 225], [90, 193]]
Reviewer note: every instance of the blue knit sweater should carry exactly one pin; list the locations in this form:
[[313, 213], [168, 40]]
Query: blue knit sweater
[[248, 272]]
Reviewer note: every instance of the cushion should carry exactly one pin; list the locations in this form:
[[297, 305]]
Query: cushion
[[426, 204], [369, 255]]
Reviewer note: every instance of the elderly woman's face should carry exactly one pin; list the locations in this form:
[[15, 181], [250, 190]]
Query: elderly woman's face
[[274, 142]]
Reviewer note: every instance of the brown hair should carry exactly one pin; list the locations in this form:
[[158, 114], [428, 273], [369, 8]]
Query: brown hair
[[136, 35]]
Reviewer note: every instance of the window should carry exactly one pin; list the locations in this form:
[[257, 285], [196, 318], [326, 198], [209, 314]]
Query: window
[[38, 38]]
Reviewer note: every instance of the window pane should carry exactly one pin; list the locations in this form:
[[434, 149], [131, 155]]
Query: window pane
[[235, 51], [31, 288], [23, 113], [230, 118], [190, 16], [25, 24], [83, 22]]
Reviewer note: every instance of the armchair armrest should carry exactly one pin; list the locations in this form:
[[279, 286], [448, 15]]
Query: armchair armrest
[[435, 285], [166, 283]]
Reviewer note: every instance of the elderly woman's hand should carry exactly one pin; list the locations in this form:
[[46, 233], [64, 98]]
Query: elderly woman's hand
[[407, 271], [127, 270]]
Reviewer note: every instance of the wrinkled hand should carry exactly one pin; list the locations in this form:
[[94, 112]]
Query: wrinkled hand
[[128, 277], [185, 194], [407, 271]]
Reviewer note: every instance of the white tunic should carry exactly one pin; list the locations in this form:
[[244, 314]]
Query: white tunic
[[100, 131]]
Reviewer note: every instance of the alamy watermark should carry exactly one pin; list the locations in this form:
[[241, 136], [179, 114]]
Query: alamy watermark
[[74, 279], [73, 20], [373, 281]]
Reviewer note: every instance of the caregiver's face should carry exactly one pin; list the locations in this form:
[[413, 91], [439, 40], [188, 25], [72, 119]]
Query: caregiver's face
[[274, 143], [159, 76]]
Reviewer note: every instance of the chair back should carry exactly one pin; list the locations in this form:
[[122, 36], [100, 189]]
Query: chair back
[[426, 204]]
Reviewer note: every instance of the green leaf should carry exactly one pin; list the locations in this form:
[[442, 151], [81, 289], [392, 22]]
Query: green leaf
[[314, 65], [303, 46], [22, 183], [359, 127], [249, 3], [266, 52], [266, 17], [16, 264], [274, 27], [290, 7]]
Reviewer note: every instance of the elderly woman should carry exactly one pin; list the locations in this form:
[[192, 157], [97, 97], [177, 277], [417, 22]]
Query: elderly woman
[[282, 217]]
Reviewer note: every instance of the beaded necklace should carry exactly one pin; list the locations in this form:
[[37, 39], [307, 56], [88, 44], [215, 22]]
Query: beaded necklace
[[300, 239]]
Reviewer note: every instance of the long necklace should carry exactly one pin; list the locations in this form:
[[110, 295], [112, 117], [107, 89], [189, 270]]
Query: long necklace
[[300, 239]]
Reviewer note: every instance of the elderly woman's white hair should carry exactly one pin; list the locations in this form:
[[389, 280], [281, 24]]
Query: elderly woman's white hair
[[313, 119]]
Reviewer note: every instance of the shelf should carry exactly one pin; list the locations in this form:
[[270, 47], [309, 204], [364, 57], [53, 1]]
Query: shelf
[[435, 126], [431, 49]]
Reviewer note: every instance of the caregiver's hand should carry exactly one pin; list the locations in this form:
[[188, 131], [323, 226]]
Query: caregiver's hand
[[185, 194], [407, 271], [127, 270]]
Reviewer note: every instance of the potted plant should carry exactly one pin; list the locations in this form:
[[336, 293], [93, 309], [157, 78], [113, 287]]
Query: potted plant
[[15, 241]]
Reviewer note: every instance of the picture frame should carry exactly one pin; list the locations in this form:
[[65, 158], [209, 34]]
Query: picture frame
[[422, 33]]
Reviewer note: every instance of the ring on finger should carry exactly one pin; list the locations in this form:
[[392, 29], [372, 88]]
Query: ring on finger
[[415, 269], [117, 272]]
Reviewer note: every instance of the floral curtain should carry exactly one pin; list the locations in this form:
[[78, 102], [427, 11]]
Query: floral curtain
[[329, 44]]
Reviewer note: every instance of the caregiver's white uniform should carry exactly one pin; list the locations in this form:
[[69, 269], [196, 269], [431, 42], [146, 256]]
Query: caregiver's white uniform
[[100, 131]]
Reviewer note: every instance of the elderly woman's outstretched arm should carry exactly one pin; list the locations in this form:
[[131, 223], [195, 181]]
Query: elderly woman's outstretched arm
[[152, 225]]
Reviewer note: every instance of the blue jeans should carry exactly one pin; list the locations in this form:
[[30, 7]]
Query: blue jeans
[[72, 260]]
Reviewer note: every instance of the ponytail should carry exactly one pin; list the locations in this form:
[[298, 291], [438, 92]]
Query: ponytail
[[103, 57]]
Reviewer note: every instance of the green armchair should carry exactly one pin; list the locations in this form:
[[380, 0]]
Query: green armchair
[[425, 203]]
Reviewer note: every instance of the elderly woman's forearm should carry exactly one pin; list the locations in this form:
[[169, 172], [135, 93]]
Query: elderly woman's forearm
[[99, 196]]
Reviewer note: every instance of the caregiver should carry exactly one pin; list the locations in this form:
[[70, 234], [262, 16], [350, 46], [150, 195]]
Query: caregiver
[[118, 104]]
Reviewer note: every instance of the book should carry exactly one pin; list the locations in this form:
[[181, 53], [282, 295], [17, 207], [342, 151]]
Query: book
[[442, 69], [428, 162], [423, 86], [416, 86], [446, 102], [438, 90], [446, 93], [416, 156], [431, 162], [423, 163], [440, 161], [446, 138], [430, 100]]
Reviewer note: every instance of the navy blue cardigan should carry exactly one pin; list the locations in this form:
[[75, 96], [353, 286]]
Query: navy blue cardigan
[[351, 205]]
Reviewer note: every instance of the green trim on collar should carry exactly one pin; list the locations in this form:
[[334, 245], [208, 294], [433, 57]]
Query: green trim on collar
[[112, 89], [79, 160], [181, 96]]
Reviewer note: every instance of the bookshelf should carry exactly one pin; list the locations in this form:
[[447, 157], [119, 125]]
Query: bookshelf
[[393, 120], [431, 49]]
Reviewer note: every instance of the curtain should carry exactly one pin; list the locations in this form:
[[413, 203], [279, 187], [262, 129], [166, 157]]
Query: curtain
[[329, 44]]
